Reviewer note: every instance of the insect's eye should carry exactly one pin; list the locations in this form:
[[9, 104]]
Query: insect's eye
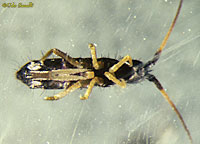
[[34, 66]]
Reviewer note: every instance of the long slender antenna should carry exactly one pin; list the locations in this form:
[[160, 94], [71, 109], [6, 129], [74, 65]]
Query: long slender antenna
[[153, 79], [159, 51], [170, 29]]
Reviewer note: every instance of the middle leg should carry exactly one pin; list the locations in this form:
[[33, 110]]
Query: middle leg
[[90, 86], [97, 65]]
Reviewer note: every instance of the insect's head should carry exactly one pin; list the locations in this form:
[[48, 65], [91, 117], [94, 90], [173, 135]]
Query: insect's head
[[138, 72]]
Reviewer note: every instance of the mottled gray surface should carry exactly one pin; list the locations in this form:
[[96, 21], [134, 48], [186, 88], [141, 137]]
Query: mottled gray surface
[[136, 114]]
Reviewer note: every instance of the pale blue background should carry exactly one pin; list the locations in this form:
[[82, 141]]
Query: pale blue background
[[136, 114]]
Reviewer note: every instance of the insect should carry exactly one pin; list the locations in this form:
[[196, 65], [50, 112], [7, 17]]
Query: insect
[[72, 73]]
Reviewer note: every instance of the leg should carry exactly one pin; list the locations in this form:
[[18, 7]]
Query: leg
[[62, 55], [65, 92], [111, 77], [91, 85], [96, 64], [115, 67], [153, 79]]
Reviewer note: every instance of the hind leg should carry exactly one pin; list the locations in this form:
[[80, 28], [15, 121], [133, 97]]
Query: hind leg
[[63, 55]]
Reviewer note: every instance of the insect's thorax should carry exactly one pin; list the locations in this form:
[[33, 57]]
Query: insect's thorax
[[129, 74]]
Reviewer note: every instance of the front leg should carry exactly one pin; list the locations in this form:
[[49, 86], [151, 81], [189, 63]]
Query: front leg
[[115, 67], [111, 77]]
